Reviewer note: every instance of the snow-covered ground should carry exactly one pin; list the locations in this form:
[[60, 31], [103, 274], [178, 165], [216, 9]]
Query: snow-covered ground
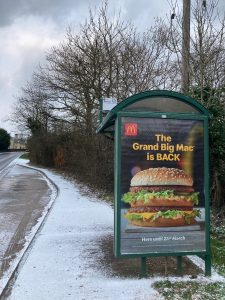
[[62, 262]]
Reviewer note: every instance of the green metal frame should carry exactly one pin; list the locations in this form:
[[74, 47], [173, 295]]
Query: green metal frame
[[114, 117], [206, 255]]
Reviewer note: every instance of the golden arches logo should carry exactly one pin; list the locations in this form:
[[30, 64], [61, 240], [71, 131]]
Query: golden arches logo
[[130, 129]]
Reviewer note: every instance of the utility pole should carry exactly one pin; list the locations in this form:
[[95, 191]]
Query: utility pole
[[186, 46]]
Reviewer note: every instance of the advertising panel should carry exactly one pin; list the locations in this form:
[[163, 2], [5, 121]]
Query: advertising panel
[[162, 201]]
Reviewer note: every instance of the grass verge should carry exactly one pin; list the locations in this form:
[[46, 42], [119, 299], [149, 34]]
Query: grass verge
[[25, 156], [192, 290]]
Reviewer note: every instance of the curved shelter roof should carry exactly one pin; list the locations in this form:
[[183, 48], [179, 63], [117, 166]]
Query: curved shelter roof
[[156, 101]]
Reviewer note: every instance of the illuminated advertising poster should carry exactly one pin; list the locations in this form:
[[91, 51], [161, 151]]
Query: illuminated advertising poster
[[162, 207]]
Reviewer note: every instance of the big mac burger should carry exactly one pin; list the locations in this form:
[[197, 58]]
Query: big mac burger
[[161, 197]]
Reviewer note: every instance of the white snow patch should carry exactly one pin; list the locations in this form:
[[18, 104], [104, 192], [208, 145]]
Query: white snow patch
[[215, 277], [59, 265]]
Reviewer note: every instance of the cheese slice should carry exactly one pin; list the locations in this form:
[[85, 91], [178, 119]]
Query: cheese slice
[[149, 215]]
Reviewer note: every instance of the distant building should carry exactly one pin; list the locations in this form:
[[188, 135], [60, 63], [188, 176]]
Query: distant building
[[18, 142]]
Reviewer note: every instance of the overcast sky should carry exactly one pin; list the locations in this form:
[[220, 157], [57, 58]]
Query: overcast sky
[[28, 28]]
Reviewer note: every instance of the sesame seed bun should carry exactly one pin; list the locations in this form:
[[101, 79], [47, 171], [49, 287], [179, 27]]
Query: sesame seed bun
[[161, 176]]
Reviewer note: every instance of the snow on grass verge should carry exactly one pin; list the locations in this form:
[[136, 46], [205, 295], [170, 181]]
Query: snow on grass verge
[[64, 260]]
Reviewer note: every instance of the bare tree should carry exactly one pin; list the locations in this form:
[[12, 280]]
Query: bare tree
[[207, 70], [207, 45], [108, 57], [30, 110]]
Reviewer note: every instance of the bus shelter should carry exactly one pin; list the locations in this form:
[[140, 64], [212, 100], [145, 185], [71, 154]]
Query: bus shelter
[[161, 177]]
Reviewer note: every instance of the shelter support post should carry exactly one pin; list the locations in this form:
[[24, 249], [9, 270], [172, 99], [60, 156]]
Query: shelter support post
[[143, 267], [179, 266], [207, 265]]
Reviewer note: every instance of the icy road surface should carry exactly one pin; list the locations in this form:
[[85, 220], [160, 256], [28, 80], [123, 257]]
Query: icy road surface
[[23, 196], [7, 162]]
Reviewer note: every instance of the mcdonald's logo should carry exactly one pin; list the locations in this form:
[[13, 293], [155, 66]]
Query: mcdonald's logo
[[130, 129]]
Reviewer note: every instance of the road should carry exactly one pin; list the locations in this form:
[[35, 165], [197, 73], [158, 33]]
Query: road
[[7, 160], [24, 194]]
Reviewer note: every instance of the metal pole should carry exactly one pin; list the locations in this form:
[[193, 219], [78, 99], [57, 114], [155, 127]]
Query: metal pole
[[186, 46], [179, 265], [100, 117], [208, 265], [143, 267]]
